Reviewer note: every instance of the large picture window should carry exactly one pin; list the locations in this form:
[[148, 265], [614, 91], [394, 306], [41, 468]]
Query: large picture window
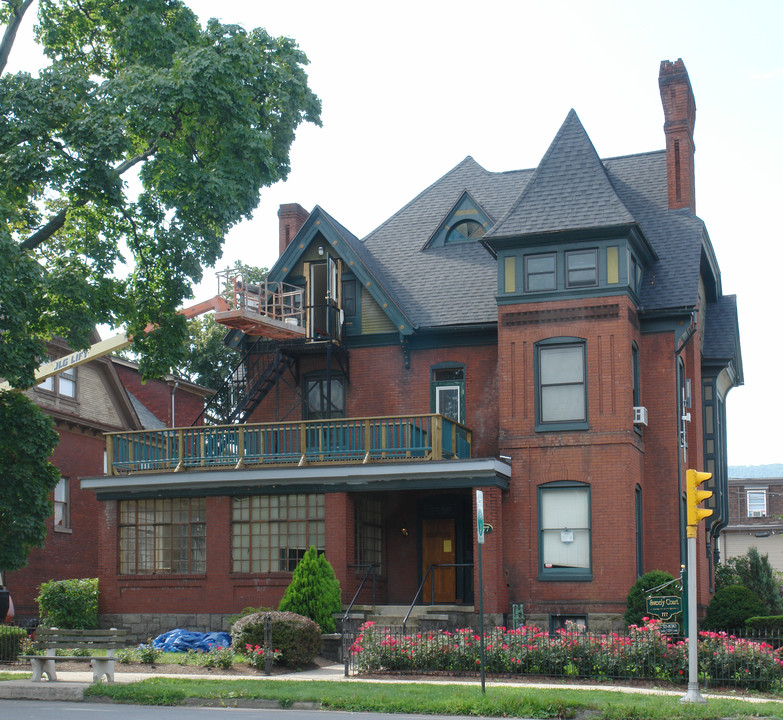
[[564, 531], [271, 533], [561, 384], [163, 536]]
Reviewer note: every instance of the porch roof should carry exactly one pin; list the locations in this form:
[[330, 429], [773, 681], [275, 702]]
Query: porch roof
[[414, 475]]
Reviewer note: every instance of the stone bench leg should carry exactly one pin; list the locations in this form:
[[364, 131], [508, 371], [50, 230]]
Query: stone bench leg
[[43, 666], [101, 667]]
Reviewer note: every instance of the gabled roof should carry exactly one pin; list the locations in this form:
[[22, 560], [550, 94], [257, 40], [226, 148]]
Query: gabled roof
[[721, 335], [345, 244], [569, 190], [424, 286]]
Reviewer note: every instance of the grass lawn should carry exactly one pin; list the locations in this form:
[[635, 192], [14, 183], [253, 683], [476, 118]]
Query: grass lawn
[[435, 699]]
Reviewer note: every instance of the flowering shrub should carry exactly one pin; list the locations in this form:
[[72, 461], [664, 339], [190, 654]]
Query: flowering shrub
[[641, 653], [256, 657]]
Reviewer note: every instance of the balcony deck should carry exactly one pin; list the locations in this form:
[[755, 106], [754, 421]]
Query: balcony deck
[[311, 442]]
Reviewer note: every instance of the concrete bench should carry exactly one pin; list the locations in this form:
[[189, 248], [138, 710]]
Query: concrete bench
[[53, 638]]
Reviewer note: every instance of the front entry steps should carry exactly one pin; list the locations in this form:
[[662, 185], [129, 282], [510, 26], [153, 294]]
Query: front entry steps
[[422, 617]]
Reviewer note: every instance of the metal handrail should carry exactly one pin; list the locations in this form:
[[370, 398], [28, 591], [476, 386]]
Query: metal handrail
[[432, 587], [370, 571]]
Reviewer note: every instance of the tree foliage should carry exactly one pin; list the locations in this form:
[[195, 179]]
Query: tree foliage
[[123, 164], [200, 119], [26, 477], [314, 591], [754, 571], [69, 604]]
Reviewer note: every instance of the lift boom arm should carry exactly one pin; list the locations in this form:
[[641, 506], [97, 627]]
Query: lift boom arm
[[116, 343]]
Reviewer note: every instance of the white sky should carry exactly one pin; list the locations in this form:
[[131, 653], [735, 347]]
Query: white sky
[[411, 88]]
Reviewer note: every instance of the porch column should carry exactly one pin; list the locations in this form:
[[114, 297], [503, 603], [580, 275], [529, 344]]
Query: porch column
[[339, 547], [495, 587]]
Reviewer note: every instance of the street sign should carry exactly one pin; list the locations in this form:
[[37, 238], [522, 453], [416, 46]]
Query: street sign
[[664, 607], [480, 515]]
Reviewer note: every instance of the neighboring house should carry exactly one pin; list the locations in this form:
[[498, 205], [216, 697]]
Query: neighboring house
[[755, 519], [557, 338], [84, 402]]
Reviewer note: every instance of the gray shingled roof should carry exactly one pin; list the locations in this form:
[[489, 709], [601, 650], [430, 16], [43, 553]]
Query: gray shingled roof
[[569, 190], [451, 285], [721, 329]]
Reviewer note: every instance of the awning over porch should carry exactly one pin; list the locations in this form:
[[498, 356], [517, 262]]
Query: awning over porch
[[447, 474]]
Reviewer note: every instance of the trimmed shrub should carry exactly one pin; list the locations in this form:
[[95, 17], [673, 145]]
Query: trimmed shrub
[[10, 641], [314, 591], [71, 604], [297, 638], [636, 601], [731, 607], [769, 622]]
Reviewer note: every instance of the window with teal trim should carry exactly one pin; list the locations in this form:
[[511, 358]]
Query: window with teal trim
[[540, 272], [447, 390], [561, 384], [565, 542], [581, 268]]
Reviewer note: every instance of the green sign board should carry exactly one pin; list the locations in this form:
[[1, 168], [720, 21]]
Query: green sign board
[[664, 607]]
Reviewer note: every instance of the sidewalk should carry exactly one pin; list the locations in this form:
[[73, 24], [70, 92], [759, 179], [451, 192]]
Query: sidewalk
[[71, 685]]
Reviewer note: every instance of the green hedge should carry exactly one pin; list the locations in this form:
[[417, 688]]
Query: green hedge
[[297, 638], [10, 639], [761, 622]]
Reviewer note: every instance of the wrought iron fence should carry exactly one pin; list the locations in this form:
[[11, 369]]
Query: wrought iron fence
[[745, 659]]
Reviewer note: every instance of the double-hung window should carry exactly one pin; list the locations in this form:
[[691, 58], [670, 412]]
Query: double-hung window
[[581, 268], [540, 272], [564, 549], [561, 384], [62, 515], [757, 503]]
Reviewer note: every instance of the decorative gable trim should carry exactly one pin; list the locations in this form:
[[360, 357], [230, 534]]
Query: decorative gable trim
[[466, 211]]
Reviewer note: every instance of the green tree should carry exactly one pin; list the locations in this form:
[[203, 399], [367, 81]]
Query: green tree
[[201, 118], [136, 95], [26, 477], [754, 571], [314, 591]]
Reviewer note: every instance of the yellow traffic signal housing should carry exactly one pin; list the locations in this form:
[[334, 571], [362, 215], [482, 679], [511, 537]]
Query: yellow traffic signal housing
[[694, 496]]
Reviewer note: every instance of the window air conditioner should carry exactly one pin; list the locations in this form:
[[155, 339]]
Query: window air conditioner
[[640, 416]]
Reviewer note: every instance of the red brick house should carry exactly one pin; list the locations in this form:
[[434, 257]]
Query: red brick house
[[556, 337], [84, 402]]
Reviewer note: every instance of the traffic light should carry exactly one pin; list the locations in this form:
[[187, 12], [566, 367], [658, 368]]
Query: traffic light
[[694, 496]]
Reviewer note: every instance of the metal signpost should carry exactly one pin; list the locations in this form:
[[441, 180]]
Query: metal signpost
[[480, 535], [694, 496]]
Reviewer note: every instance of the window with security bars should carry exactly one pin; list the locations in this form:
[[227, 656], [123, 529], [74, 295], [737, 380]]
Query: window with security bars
[[163, 536], [271, 533], [368, 523]]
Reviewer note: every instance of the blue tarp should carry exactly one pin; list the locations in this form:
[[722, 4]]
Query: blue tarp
[[183, 640]]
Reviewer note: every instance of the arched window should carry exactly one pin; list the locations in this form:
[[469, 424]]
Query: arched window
[[466, 230]]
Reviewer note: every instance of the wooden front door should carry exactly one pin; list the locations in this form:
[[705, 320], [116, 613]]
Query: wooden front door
[[439, 547]]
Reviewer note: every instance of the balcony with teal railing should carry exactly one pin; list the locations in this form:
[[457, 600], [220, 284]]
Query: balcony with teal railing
[[307, 442]]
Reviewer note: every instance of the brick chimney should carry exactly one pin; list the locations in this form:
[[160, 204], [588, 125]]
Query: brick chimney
[[679, 111], [292, 217]]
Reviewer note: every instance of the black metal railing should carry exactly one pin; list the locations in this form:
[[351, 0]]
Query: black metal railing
[[430, 574], [746, 659]]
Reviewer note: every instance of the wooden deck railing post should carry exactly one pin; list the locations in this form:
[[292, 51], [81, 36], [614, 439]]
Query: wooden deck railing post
[[437, 437], [110, 455]]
